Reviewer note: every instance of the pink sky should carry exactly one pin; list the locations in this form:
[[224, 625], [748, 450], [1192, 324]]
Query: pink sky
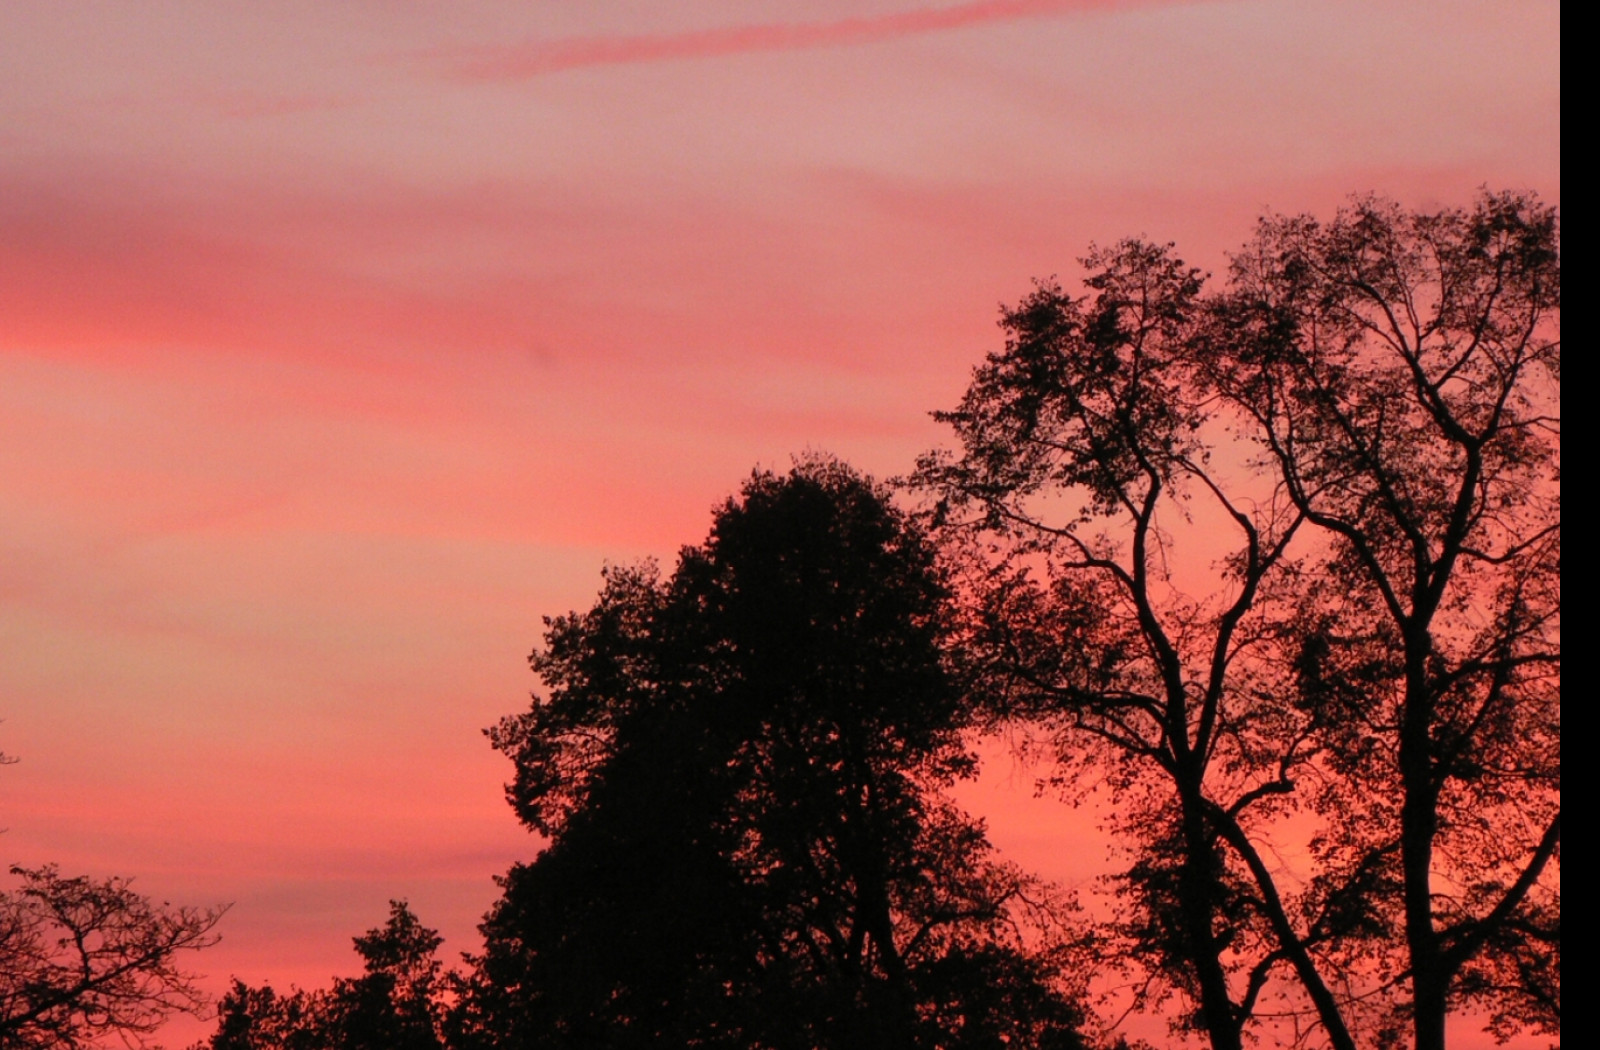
[[340, 343]]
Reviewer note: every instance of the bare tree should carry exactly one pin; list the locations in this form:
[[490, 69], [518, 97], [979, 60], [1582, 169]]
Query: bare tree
[[1084, 445], [83, 961], [1370, 411], [1402, 371]]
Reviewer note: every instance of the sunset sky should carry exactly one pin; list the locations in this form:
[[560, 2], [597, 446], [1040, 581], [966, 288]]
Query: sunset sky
[[341, 343]]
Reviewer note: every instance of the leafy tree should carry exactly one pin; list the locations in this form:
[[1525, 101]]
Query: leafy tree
[[83, 960], [250, 1018], [397, 1003], [738, 769], [1379, 643]]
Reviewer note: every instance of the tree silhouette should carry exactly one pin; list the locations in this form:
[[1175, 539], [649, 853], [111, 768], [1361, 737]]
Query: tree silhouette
[[398, 1002], [250, 1018], [1380, 642], [739, 768], [1402, 372], [1083, 442], [83, 960]]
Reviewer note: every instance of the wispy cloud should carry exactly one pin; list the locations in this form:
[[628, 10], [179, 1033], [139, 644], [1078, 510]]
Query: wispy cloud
[[539, 57]]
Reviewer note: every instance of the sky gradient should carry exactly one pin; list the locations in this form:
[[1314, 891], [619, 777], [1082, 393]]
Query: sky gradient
[[341, 343]]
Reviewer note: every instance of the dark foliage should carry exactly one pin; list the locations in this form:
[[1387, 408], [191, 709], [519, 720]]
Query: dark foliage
[[396, 1004], [738, 768]]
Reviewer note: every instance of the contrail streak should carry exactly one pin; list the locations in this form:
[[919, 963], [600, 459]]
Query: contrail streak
[[539, 57]]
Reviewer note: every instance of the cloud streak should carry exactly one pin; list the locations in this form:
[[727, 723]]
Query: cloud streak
[[541, 57]]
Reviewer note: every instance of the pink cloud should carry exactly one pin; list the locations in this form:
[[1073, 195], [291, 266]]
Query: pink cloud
[[539, 57]]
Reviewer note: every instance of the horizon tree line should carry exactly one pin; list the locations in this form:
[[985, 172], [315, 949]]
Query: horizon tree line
[[1275, 565]]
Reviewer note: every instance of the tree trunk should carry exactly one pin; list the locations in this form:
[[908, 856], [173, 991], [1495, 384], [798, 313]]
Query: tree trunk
[[1197, 901], [1418, 825]]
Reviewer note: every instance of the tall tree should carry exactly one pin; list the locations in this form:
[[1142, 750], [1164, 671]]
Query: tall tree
[[1402, 372], [738, 769], [1379, 642], [1084, 445]]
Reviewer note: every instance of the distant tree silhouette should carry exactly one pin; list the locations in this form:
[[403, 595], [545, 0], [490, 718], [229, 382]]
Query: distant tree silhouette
[[1381, 642], [250, 1018], [396, 1004], [738, 769], [87, 960]]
